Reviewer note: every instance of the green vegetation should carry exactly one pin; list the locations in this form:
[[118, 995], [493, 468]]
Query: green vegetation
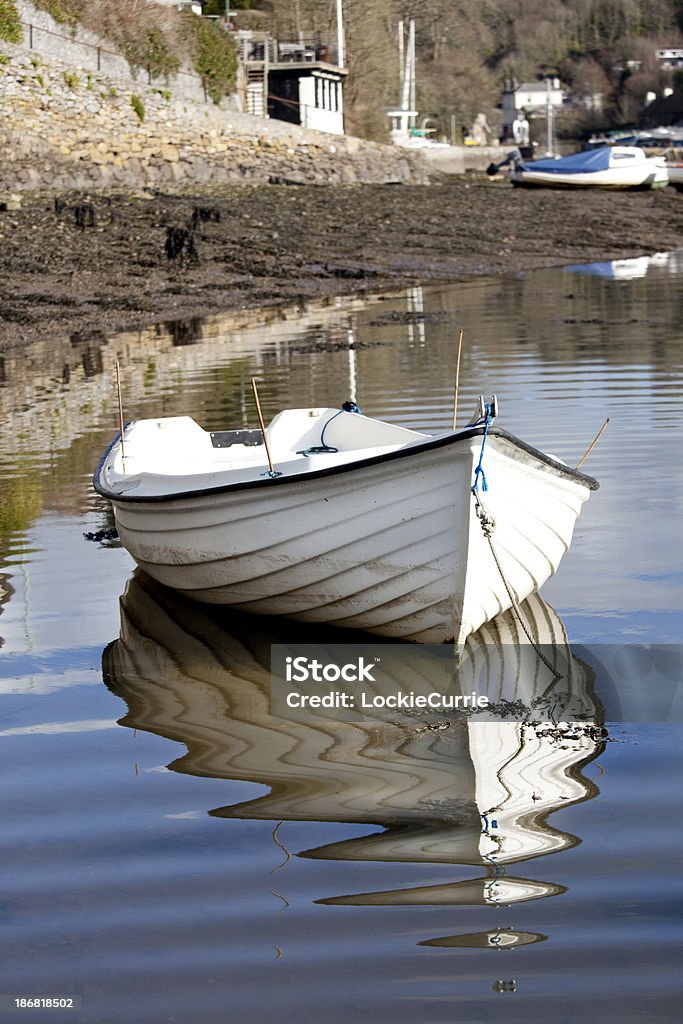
[[217, 7], [10, 22], [71, 79], [213, 56], [151, 50], [66, 12], [20, 504], [149, 375], [150, 37], [138, 106]]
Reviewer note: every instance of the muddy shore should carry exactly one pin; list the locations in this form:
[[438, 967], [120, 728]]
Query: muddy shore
[[98, 264]]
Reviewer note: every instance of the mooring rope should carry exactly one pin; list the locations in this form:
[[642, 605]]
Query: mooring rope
[[479, 471], [488, 525], [320, 449]]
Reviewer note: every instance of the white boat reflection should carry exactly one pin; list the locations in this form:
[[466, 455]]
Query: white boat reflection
[[502, 890], [443, 789], [497, 938], [631, 269]]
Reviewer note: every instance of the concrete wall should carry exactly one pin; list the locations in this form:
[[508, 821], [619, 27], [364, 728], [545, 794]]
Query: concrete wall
[[462, 159]]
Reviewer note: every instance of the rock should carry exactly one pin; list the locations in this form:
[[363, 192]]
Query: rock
[[10, 202]]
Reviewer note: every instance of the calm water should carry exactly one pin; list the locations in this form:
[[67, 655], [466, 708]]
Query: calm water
[[171, 852]]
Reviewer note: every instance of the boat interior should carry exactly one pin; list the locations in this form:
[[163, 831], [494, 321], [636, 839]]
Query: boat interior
[[299, 440]]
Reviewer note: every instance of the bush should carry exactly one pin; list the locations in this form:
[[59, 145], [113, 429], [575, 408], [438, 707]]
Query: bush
[[10, 22], [138, 106], [213, 56], [150, 49], [66, 12]]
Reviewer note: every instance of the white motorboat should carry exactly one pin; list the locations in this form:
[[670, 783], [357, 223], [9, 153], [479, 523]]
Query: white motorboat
[[344, 519], [613, 167]]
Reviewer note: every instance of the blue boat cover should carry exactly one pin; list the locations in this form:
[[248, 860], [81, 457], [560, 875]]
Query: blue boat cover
[[577, 163], [604, 269]]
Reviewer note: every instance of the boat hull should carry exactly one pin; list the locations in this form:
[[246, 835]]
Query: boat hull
[[392, 546], [608, 179]]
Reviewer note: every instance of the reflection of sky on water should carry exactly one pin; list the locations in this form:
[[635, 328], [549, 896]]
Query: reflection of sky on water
[[61, 610]]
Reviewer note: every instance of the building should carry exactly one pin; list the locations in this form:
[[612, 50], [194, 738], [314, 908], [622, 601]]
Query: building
[[533, 99], [195, 6], [665, 110], [670, 58], [300, 82]]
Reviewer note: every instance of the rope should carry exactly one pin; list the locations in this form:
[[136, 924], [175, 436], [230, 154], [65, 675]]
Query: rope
[[479, 471], [488, 525], [320, 449], [518, 612]]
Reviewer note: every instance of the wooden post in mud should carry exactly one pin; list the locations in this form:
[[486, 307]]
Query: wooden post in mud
[[457, 379], [263, 428]]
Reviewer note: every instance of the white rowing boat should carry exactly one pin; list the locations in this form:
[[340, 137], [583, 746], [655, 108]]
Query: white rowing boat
[[360, 523], [612, 167]]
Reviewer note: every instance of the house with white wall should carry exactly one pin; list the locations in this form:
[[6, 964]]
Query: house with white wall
[[195, 6], [533, 98], [300, 81]]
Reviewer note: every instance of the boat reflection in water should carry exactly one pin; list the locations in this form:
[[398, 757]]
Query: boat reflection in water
[[445, 787]]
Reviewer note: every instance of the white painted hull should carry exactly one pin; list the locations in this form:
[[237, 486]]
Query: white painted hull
[[389, 545]]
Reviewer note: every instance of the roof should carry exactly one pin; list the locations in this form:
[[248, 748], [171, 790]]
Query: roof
[[665, 110], [536, 87]]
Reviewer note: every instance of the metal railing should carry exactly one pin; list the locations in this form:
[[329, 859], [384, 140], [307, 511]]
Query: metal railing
[[259, 47]]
